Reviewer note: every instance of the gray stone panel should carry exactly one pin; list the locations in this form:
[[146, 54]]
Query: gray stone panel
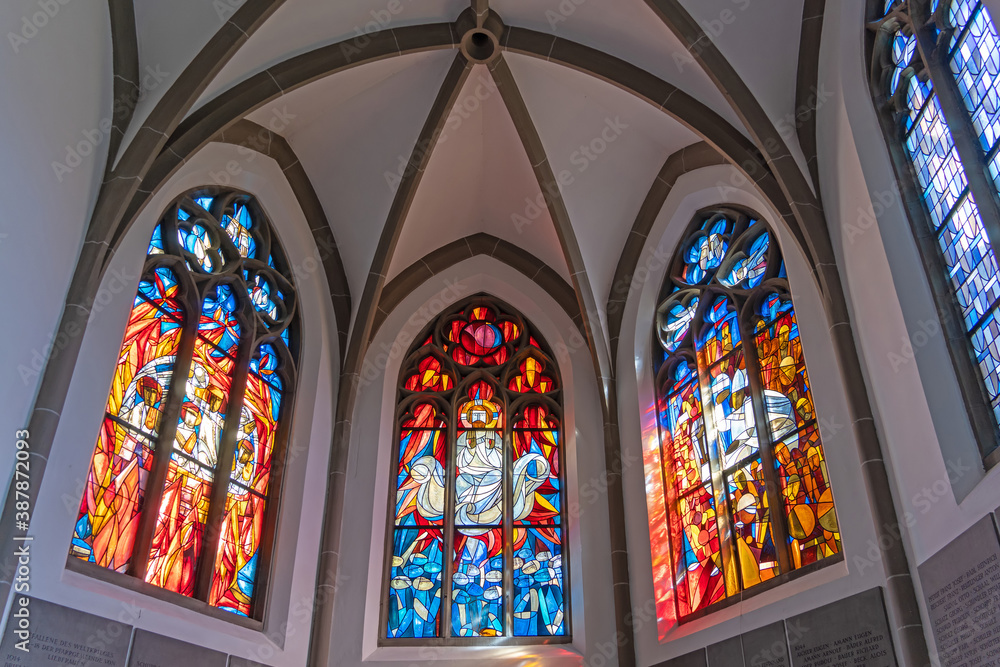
[[62, 636], [243, 662], [153, 650], [766, 647], [852, 631], [961, 585], [695, 659], [724, 654]]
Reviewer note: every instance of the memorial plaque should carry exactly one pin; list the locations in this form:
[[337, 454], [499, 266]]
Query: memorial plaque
[[696, 659], [63, 636], [726, 654], [851, 632], [962, 588], [766, 647], [152, 650]]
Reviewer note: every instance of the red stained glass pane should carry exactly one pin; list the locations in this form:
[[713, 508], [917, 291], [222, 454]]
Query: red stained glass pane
[[805, 487], [700, 567], [235, 572], [234, 577], [536, 485], [755, 549], [420, 483], [177, 537], [116, 482], [180, 527], [424, 416], [685, 450], [694, 529], [112, 499], [783, 372], [536, 417], [430, 376], [531, 378]]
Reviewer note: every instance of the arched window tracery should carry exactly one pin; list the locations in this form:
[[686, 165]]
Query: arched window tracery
[[747, 492], [181, 488], [934, 75], [479, 465]]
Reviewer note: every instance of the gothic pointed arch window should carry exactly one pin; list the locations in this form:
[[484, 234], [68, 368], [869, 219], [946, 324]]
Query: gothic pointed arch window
[[748, 497], [476, 539], [182, 487], [934, 71]]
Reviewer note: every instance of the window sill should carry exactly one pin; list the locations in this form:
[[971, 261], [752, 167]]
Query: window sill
[[124, 581], [778, 581], [476, 642], [430, 653], [992, 459]]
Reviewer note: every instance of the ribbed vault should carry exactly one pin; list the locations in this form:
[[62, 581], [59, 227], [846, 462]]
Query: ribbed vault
[[550, 144]]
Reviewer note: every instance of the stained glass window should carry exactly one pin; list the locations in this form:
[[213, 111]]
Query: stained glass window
[[745, 484], [181, 487], [965, 70], [475, 546]]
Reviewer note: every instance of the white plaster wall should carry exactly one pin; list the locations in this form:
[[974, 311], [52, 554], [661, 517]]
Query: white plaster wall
[[284, 640], [707, 187], [356, 615], [54, 87], [941, 486]]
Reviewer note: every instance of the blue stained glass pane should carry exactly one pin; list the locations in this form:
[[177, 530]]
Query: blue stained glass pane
[[748, 271], [205, 202], [238, 226], [260, 295], [156, 243], [675, 326], [198, 242], [218, 321], [986, 343], [539, 608], [903, 48], [935, 160], [265, 365], [975, 63], [477, 583], [415, 583], [720, 334], [970, 262]]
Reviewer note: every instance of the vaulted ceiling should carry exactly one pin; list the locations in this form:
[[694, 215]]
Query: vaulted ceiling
[[354, 130]]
